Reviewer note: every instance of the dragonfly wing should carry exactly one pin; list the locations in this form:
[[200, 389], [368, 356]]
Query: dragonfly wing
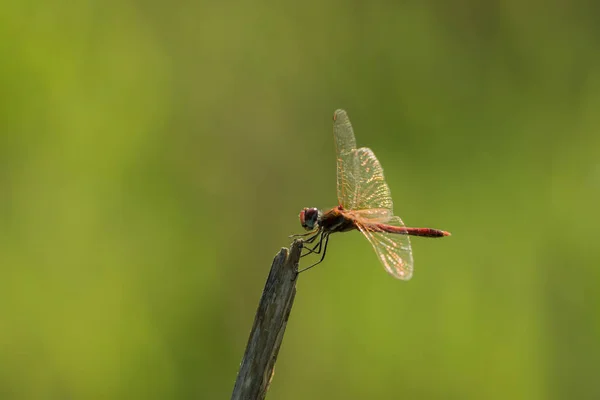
[[372, 192], [393, 250], [347, 159], [360, 181], [374, 215]]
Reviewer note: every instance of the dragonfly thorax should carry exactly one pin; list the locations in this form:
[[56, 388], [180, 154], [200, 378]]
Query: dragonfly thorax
[[309, 218]]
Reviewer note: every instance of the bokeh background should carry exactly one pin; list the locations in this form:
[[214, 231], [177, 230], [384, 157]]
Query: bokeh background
[[154, 157]]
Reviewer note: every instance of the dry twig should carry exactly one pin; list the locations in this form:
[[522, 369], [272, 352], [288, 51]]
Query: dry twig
[[257, 368]]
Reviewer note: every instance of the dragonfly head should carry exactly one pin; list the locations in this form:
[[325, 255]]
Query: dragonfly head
[[309, 218]]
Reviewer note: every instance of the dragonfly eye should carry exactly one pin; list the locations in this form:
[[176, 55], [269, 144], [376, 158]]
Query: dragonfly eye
[[309, 218]]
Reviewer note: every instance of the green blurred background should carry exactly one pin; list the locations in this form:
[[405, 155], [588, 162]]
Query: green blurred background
[[154, 158]]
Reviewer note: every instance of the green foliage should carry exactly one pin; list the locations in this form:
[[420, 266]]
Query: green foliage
[[154, 158]]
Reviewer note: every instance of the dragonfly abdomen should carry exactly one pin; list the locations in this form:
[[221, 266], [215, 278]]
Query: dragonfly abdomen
[[426, 232]]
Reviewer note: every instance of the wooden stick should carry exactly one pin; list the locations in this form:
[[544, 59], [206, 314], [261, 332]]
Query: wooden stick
[[258, 364]]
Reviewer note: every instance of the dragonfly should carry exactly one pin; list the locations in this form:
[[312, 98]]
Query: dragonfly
[[364, 204]]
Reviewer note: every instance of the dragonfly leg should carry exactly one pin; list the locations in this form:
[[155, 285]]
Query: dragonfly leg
[[322, 257], [312, 238], [313, 251], [304, 234]]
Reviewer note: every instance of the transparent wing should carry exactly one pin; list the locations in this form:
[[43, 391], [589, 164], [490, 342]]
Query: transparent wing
[[347, 159], [374, 215], [360, 181], [371, 190], [393, 250]]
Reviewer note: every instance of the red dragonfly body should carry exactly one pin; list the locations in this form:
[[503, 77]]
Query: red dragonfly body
[[339, 220], [365, 204]]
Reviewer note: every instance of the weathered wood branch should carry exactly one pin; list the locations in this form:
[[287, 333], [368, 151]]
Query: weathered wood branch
[[257, 368]]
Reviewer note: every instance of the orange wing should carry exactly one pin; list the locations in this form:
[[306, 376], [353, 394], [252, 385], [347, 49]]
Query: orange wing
[[372, 192], [347, 159], [364, 194], [360, 181], [393, 250]]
